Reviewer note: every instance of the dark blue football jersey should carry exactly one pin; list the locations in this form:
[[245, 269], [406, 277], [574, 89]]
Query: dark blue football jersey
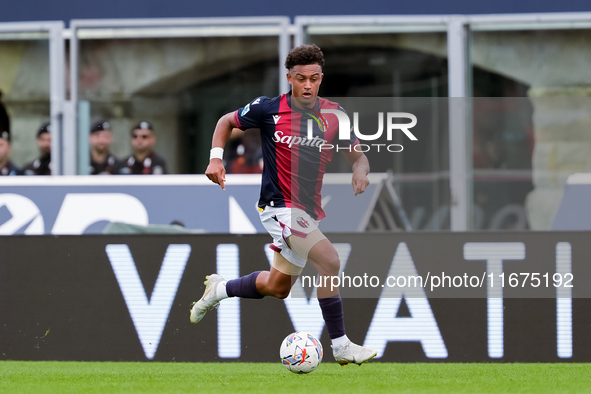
[[294, 164]]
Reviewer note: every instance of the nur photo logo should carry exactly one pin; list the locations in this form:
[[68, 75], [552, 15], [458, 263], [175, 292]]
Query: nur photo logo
[[390, 119]]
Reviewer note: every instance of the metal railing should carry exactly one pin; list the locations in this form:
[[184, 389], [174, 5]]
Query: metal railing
[[458, 28]]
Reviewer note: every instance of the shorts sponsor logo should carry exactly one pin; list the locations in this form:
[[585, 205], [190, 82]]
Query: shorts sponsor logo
[[302, 222]]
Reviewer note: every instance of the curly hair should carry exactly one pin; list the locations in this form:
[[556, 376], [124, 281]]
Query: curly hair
[[304, 55]]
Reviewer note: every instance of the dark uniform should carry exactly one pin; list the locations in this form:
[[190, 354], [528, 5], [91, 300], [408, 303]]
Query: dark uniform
[[152, 165], [40, 166], [9, 168], [111, 165]]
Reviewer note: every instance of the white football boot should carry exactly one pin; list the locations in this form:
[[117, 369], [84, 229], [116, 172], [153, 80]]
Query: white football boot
[[352, 353], [209, 300]]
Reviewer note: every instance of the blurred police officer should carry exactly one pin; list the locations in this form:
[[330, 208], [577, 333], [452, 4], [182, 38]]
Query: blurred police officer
[[40, 166], [102, 162], [6, 166], [4, 119], [144, 160]]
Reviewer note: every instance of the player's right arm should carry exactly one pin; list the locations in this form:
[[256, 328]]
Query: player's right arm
[[216, 171], [244, 118]]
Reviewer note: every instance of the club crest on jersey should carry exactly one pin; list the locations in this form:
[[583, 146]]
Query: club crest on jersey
[[321, 121], [302, 222], [245, 110]]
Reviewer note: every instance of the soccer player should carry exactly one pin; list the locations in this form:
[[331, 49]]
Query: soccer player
[[290, 202]]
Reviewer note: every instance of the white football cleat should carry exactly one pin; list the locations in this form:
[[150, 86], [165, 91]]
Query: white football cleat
[[209, 299], [352, 353]]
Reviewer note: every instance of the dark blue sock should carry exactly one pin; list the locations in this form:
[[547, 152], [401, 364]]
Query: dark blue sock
[[332, 312], [244, 287]]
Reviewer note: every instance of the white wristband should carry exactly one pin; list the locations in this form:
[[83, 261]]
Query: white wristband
[[216, 153]]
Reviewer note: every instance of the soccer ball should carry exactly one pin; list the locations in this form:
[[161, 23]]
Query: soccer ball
[[301, 352]]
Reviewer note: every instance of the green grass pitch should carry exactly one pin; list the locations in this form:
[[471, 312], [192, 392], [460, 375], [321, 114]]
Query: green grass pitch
[[148, 377]]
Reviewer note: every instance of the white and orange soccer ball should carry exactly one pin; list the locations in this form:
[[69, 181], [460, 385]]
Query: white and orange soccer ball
[[301, 352]]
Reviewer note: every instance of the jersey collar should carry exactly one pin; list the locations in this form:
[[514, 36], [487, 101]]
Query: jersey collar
[[304, 111]]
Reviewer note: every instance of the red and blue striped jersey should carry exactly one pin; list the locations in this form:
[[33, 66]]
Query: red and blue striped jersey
[[294, 165]]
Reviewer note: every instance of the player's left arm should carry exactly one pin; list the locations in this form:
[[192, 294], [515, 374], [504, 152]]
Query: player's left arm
[[360, 166]]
